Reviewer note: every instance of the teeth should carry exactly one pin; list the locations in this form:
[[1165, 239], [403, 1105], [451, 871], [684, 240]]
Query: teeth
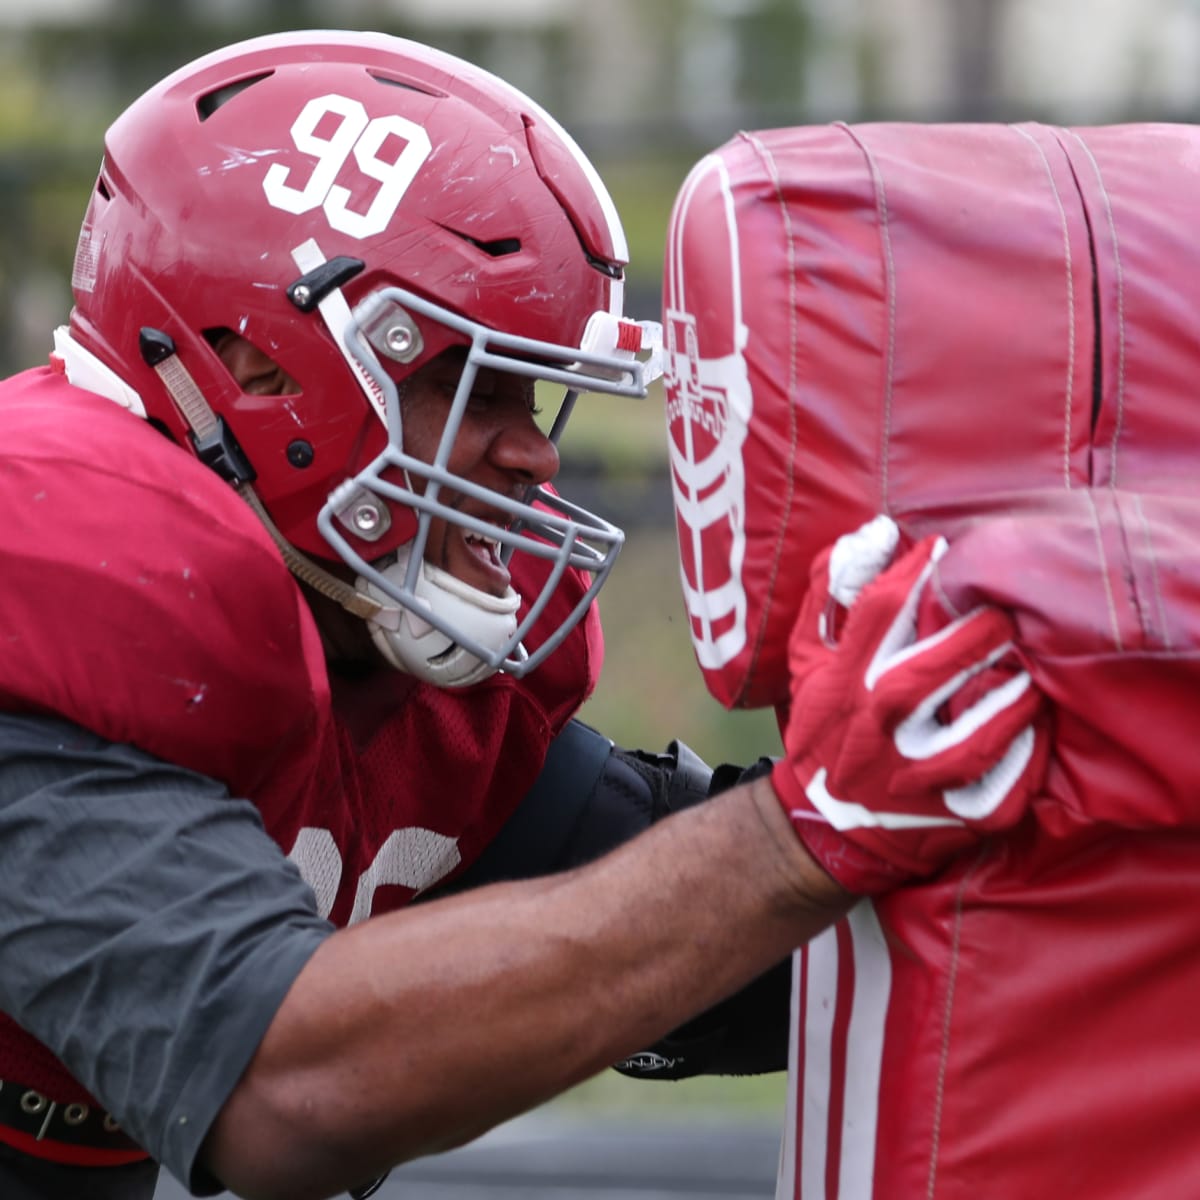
[[492, 545]]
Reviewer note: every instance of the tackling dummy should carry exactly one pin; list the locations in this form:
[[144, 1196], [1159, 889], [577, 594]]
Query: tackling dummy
[[971, 349]]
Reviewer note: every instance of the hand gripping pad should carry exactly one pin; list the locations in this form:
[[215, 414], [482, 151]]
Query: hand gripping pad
[[903, 319]]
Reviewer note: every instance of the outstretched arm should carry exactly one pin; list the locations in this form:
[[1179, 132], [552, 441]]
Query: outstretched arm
[[593, 796], [416, 1031]]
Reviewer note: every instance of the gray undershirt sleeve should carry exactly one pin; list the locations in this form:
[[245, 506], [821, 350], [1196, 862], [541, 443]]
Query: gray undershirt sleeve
[[149, 931]]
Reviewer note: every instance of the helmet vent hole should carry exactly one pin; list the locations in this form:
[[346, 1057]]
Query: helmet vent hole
[[410, 84], [498, 248], [211, 101], [612, 270]]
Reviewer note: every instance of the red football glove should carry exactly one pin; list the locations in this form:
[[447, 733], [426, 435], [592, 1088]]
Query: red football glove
[[901, 752]]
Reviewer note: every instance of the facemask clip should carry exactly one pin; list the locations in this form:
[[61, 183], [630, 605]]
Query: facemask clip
[[394, 333], [364, 514]]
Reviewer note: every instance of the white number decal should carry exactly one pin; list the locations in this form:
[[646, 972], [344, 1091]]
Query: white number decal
[[365, 137], [330, 153], [415, 858]]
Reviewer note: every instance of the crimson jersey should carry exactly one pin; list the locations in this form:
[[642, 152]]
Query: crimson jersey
[[151, 607], [986, 332]]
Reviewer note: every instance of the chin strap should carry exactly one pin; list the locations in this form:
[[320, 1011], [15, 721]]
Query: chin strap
[[218, 448], [312, 573], [422, 649]]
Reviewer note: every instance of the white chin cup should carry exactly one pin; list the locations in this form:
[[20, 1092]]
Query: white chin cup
[[423, 650]]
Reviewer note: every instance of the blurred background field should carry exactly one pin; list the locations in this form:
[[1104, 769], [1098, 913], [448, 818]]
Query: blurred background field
[[647, 86]]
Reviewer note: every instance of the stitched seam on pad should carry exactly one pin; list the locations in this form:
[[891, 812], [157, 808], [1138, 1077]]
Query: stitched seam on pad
[[885, 237], [1158, 597], [1132, 592], [1120, 280], [1108, 596], [768, 162], [944, 1055], [1066, 237]]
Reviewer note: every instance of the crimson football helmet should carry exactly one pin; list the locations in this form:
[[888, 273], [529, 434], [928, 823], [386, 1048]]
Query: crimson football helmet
[[354, 205]]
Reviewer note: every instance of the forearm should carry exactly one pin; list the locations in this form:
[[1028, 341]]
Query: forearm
[[417, 1031], [593, 796]]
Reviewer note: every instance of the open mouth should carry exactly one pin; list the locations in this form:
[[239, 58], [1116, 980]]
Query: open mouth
[[483, 565]]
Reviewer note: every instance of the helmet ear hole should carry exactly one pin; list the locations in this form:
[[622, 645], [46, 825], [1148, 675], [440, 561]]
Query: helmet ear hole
[[251, 369]]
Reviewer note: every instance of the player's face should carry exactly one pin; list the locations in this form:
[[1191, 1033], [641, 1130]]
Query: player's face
[[498, 445]]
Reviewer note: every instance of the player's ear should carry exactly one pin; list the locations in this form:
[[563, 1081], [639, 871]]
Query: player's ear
[[254, 370]]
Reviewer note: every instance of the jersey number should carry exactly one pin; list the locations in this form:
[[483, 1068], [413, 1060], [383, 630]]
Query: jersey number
[[413, 858], [352, 132]]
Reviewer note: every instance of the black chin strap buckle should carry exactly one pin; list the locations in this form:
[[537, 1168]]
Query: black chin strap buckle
[[221, 451]]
